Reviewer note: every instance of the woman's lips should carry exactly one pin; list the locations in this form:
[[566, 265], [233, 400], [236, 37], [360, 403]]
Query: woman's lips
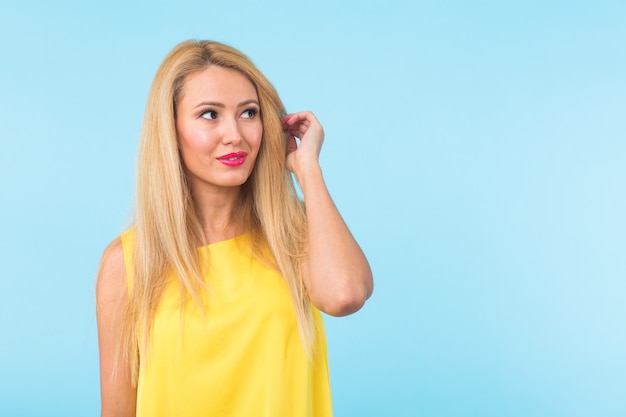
[[233, 159]]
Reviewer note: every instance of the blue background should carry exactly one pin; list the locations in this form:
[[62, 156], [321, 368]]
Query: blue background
[[477, 150]]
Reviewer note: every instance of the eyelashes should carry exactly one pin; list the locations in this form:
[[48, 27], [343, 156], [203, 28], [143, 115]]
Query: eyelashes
[[211, 114], [250, 113]]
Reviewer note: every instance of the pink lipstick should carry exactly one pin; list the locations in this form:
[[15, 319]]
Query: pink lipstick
[[233, 159]]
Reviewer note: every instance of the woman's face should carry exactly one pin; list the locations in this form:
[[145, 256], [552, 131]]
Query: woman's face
[[219, 128]]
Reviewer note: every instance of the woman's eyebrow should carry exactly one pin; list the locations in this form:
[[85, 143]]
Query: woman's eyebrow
[[210, 103], [222, 105], [246, 102]]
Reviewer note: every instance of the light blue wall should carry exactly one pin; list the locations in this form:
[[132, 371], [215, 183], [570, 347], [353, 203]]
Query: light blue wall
[[476, 149]]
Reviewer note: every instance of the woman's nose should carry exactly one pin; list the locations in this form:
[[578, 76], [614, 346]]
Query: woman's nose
[[232, 132]]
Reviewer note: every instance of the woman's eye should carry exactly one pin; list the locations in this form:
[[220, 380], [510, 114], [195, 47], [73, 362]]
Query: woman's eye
[[210, 115], [249, 114]]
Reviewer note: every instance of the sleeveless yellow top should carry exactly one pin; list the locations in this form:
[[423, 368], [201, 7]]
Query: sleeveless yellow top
[[244, 358]]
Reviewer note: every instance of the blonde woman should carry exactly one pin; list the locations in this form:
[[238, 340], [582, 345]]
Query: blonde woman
[[209, 305]]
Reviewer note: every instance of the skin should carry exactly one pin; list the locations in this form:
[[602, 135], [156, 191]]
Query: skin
[[338, 277], [218, 114], [118, 396]]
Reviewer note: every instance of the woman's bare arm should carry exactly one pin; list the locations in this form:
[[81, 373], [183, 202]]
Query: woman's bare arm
[[117, 393], [339, 279]]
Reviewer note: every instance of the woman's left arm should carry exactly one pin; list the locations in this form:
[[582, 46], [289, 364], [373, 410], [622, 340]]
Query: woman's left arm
[[339, 278]]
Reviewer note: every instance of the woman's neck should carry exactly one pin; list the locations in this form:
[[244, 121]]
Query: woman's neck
[[215, 210]]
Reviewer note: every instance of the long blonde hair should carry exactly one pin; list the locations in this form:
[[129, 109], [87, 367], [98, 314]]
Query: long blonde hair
[[167, 228]]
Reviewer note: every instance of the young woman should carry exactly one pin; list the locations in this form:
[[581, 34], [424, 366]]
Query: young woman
[[209, 305]]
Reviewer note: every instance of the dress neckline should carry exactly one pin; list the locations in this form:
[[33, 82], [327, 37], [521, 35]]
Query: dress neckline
[[224, 242]]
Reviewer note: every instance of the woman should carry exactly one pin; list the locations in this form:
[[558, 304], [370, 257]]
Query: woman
[[209, 304]]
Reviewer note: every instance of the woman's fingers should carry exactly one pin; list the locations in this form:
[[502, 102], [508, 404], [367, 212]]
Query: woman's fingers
[[298, 124], [303, 125], [291, 144]]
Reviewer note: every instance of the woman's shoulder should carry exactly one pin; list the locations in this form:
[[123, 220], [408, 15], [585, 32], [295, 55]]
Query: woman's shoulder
[[116, 254], [112, 272]]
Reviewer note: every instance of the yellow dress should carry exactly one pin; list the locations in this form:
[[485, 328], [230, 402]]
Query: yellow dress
[[244, 359]]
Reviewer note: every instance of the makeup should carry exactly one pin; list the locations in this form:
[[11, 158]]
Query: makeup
[[233, 159]]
